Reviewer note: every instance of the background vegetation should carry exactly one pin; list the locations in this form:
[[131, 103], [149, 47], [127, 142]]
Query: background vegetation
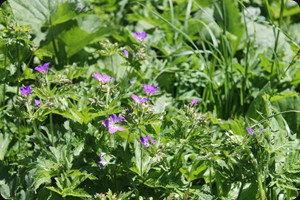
[[239, 58]]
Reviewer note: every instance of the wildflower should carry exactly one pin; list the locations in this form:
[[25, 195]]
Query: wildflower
[[145, 141], [112, 125], [249, 130], [126, 54], [102, 78], [140, 36], [149, 89], [37, 102], [101, 162], [26, 90], [194, 102], [138, 99], [43, 68]]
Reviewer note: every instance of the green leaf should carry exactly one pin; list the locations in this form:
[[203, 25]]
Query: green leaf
[[285, 102], [249, 191], [232, 21], [5, 140]]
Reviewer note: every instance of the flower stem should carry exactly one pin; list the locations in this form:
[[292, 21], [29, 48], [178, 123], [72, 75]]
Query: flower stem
[[33, 121], [51, 129], [259, 180]]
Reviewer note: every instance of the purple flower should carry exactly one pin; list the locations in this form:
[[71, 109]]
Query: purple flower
[[126, 54], [194, 102], [138, 99], [105, 78], [112, 125], [37, 102], [26, 90], [101, 162], [249, 130], [149, 89], [145, 141], [43, 68], [140, 36]]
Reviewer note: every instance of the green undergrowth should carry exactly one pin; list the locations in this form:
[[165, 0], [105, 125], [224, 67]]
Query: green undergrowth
[[205, 106]]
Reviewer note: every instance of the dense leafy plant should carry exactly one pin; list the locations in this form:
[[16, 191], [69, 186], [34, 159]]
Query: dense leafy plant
[[149, 99]]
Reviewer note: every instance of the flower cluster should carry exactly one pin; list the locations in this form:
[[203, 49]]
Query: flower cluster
[[145, 141], [139, 99], [149, 89], [102, 78]]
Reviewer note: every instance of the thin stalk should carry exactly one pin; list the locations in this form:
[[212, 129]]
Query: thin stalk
[[51, 129], [50, 115], [107, 100], [5, 79], [280, 113], [33, 122], [141, 167], [258, 175]]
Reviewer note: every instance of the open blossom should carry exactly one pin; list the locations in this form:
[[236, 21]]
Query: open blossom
[[249, 130], [112, 125], [43, 68], [140, 36], [138, 99], [37, 102], [145, 141], [149, 89], [102, 78], [25, 90]]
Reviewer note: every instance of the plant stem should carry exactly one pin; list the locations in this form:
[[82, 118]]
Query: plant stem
[[33, 122], [141, 159], [51, 129], [258, 175]]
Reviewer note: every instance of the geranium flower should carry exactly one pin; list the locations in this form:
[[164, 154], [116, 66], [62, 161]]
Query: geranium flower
[[145, 141], [140, 36], [249, 130], [102, 78], [149, 89], [37, 102], [138, 99], [26, 90], [43, 68], [112, 125]]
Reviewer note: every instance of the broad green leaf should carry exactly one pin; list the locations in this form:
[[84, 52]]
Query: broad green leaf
[[286, 102], [232, 21], [249, 191]]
